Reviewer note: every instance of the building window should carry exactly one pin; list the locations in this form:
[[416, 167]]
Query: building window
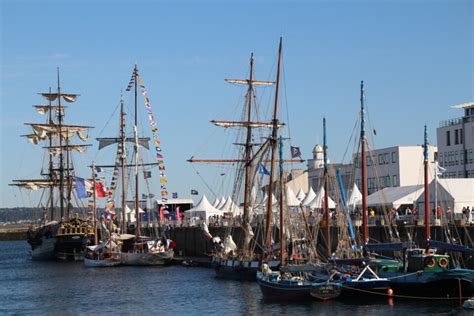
[[395, 182], [456, 137], [380, 159], [448, 138], [461, 136], [394, 157], [386, 158]]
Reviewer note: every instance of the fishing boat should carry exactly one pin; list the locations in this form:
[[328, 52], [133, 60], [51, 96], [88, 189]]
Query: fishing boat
[[416, 273], [242, 262], [327, 277], [428, 272], [64, 230]]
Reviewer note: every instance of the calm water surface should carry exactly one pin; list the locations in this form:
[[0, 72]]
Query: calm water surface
[[68, 288]]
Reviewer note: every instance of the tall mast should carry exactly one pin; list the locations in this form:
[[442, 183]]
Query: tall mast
[[248, 151], [282, 218], [427, 189], [363, 166], [137, 212], [327, 235], [61, 157], [51, 176], [122, 163], [273, 141], [94, 207]]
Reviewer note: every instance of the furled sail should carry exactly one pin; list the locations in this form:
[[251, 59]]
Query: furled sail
[[44, 109], [68, 97], [56, 150], [244, 124], [247, 82], [104, 142]]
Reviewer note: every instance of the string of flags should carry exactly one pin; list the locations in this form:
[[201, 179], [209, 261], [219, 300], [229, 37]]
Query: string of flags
[[156, 141]]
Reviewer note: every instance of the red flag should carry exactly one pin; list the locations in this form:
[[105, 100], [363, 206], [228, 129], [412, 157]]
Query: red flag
[[178, 213], [162, 214], [99, 190]]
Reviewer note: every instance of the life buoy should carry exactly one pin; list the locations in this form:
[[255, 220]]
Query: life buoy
[[430, 262], [443, 262]]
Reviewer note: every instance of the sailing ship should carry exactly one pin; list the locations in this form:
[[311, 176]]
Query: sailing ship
[[242, 263], [62, 235], [137, 249]]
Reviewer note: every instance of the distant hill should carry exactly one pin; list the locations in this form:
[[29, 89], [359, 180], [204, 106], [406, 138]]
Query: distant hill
[[19, 214]]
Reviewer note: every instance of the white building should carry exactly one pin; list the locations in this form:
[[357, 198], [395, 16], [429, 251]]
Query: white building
[[387, 167], [456, 144]]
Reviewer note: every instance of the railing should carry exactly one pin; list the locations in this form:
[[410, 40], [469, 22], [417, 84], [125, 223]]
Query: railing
[[450, 122]]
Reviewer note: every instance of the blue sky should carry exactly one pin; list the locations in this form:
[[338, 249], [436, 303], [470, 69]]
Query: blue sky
[[416, 58]]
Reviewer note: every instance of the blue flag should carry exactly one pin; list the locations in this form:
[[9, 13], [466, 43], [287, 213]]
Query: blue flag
[[262, 169], [83, 187]]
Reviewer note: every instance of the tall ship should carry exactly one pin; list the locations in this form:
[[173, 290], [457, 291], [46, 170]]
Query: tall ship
[[64, 229]]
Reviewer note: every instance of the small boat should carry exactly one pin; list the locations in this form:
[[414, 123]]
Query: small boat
[[100, 256], [469, 303], [145, 251]]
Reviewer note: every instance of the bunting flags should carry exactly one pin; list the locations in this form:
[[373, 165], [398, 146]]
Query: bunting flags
[[156, 142]]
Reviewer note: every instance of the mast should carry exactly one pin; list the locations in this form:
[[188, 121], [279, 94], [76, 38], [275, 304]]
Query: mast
[[94, 207], [51, 167], [61, 157], [282, 218], [248, 151], [273, 142], [327, 234], [363, 166], [137, 212], [427, 190], [122, 163]]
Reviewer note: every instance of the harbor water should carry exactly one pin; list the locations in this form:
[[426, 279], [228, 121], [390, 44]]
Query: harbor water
[[69, 288]]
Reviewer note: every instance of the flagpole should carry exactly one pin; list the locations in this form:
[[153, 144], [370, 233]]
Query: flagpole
[[94, 216]]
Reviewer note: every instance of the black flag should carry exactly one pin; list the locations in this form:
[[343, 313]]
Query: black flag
[[175, 195], [194, 192], [295, 152]]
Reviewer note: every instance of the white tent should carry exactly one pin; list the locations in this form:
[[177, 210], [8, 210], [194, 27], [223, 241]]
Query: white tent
[[301, 195], [355, 197], [395, 196], [221, 203], [291, 199], [453, 193], [230, 207], [217, 201], [131, 214], [309, 197], [318, 201], [203, 209]]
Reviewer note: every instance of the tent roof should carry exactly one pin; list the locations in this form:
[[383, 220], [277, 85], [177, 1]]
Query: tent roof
[[462, 189], [204, 206], [301, 195], [291, 199], [230, 206], [318, 201], [309, 197], [355, 196], [216, 202], [395, 196], [221, 203]]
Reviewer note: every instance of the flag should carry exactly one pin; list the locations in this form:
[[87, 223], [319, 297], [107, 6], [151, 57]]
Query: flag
[[151, 195], [144, 196], [175, 195], [178, 213], [440, 170], [83, 188], [162, 214], [147, 174], [262, 169], [295, 152], [98, 169], [194, 192], [375, 132], [99, 190]]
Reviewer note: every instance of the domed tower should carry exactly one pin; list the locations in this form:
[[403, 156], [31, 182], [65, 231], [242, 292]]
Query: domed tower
[[318, 158]]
